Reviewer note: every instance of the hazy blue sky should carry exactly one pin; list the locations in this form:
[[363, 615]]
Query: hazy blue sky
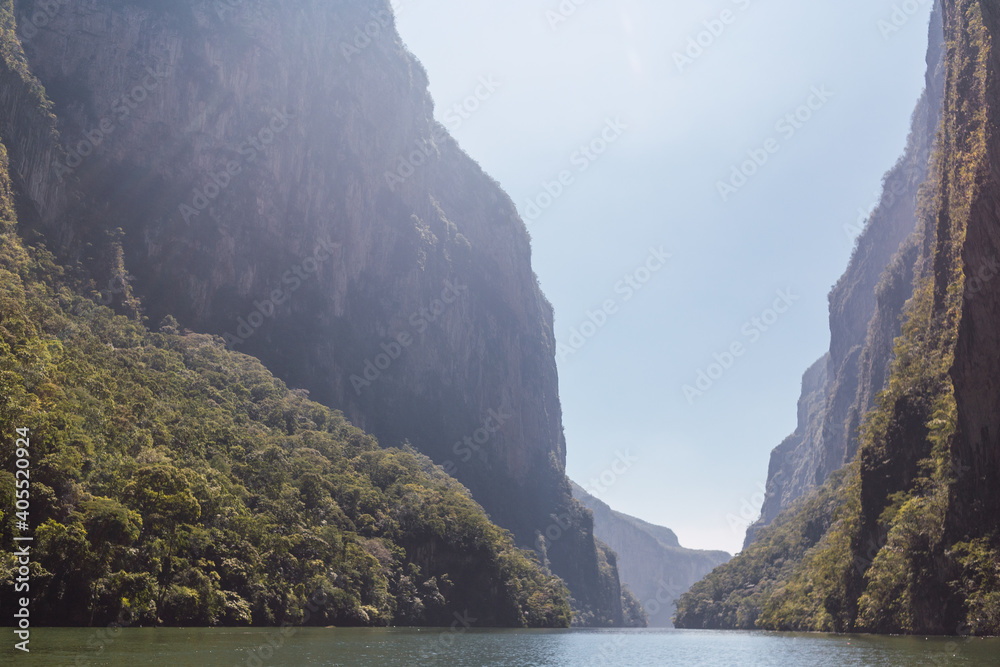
[[555, 86]]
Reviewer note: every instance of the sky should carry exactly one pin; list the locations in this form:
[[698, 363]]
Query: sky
[[692, 175]]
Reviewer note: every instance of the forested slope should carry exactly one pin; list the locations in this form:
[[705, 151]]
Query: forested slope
[[173, 481], [906, 539], [280, 180]]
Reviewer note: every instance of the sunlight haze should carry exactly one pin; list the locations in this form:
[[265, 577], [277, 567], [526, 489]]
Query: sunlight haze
[[700, 462]]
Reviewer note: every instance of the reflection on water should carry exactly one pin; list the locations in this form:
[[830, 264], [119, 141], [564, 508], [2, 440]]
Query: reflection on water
[[470, 648]]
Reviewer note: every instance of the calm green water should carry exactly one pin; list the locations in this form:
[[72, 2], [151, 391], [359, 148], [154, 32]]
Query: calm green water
[[391, 648]]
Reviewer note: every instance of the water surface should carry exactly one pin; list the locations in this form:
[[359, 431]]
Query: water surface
[[473, 648]]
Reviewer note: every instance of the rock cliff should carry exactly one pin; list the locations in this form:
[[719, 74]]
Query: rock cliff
[[864, 317], [906, 537], [976, 508], [278, 179]]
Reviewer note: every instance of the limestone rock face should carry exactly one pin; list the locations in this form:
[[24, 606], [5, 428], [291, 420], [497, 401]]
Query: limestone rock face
[[976, 369], [280, 180], [865, 307], [800, 453], [905, 539]]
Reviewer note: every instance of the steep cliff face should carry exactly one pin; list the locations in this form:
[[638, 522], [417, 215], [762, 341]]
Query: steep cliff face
[[976, 504], [280, 181], [862, 326], [906, 538], [800, 455], [175, 482], [651, 561]]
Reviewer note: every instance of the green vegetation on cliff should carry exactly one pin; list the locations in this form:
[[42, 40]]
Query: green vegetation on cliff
[[132, 151], [173, 481], [884, 546]]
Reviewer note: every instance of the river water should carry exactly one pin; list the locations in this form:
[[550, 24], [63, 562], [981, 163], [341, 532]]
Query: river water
[[477, 648]]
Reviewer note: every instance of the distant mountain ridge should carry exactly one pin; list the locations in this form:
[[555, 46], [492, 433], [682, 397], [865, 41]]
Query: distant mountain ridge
[[651, 561]]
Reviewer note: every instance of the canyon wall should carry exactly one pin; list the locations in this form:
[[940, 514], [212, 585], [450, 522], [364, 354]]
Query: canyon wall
[[863, 322], [279, 180]]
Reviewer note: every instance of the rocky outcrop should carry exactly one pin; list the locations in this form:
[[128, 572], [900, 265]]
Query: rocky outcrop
[[651, 561], [280, 181], [906, 538], [975, 509], [29, 126], [801, 453], [865, 308]]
